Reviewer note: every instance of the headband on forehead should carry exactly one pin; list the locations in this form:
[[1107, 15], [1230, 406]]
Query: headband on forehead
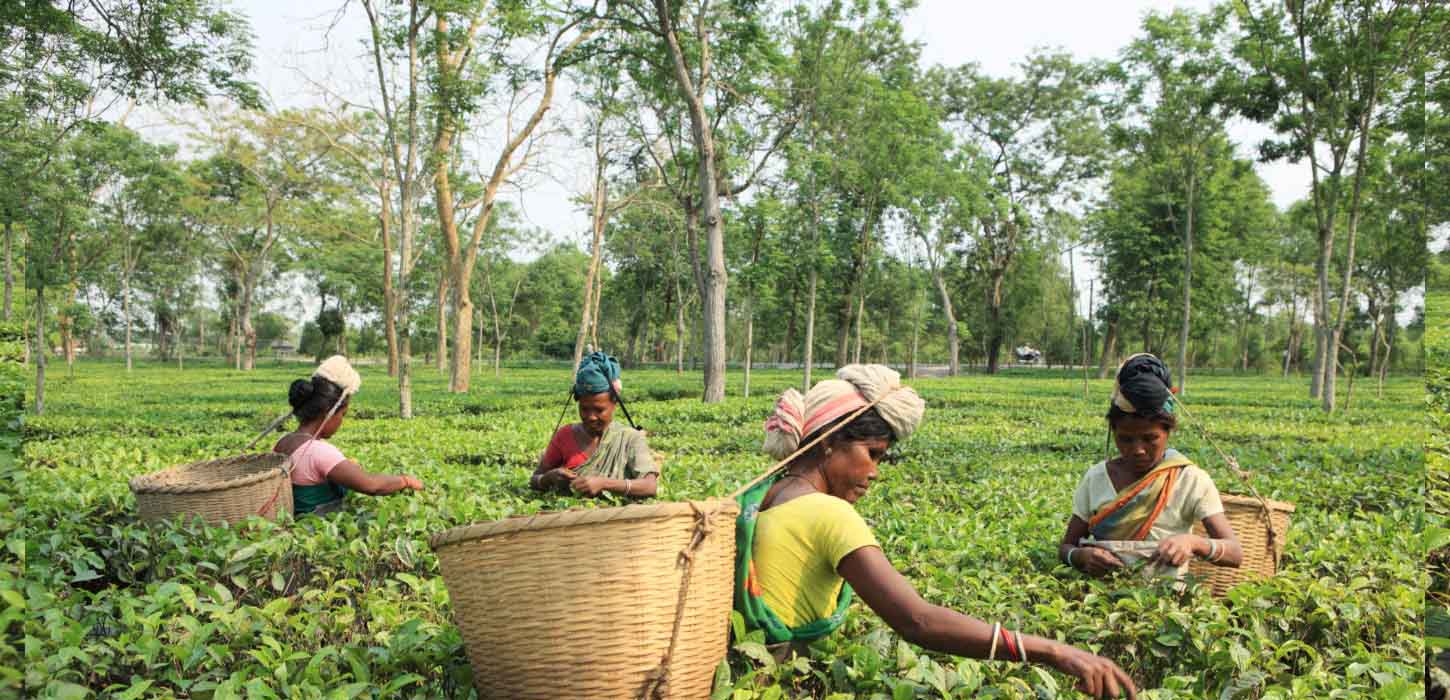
[[1143, 385]]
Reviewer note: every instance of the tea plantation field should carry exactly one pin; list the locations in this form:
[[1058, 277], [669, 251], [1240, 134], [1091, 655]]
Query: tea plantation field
[[352, 605], [1437, 468]]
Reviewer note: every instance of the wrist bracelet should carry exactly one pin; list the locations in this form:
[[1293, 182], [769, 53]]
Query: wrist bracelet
[[1021, 648], [996, 628], [626, 487], [1010, 641], [1070, 551], [1212, 550]]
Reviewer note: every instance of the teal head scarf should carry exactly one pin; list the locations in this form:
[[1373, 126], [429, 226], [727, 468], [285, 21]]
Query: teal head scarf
[[597, 373]]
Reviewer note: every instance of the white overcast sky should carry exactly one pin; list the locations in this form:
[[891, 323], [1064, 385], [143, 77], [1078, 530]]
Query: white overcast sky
[[300, 44]]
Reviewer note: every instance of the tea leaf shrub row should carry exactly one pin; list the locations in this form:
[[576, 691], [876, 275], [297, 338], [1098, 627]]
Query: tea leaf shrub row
[[352, 605]]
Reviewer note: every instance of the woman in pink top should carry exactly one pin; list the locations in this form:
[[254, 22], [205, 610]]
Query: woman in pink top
[[321, 474]]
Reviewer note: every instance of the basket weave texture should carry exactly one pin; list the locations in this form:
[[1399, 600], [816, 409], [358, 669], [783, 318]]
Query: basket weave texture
[[582, 604], [1245, 514], [219, 490]]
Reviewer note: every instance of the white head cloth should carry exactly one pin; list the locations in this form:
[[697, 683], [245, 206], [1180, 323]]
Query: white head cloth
[[336, 369], [797, 417]]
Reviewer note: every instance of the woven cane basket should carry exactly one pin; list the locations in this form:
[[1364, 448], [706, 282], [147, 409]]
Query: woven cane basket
[[584, 604], [1261, 558], [220, 490]]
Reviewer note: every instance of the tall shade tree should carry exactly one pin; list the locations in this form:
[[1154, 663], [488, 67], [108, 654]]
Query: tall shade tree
[[267, 162], [65, 64], [473, 47], [711, 59], [395, 44], [142, 216], [1040, 134], [1170, 75], [1320, 73], [607, 139], [866, 130]]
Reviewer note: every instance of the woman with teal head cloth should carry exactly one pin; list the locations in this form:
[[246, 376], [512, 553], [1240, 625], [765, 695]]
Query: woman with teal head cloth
[[598, 454]]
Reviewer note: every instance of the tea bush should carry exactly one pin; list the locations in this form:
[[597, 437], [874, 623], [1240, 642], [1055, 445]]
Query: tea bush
[[352, 604], [1437, 470]]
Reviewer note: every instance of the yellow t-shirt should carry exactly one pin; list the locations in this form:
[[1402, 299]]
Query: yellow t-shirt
[[797, 547]]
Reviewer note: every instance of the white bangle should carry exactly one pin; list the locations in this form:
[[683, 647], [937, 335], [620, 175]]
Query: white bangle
[[1021, 648], [626, 487], [1070, 550], [1212, 550], [992, 654]]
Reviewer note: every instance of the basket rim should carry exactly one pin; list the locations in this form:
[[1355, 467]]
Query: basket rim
[[1239, 500], [147, 483], [571, 518]]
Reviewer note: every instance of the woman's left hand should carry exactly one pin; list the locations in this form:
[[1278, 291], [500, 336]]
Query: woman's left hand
[[1176, 549], [588, 485]]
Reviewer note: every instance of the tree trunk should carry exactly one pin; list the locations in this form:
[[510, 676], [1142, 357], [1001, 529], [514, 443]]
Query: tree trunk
[[860, 314], [679, 328], [853, 288], [994, 319], [916, 337], [1351, 231], [248, 351], [788, 345], [440, 360], [713, 286], [749, 337], [1110, 343], [1187, 286], [40, 351], [591, 276], [234, 346], [810, 345], [9, 269], [390, 294], [640, 324], [126, 311], [954, 366]]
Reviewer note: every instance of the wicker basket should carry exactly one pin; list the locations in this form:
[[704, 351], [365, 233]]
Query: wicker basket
[[586, 604], [221, 490], [1245, 514]]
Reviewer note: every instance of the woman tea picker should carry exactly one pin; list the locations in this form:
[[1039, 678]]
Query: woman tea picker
[[598, 454], [801, 548], [1140, 507], [321, 475]]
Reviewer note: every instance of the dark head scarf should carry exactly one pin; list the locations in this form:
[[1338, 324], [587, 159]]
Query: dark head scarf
[[1143, 386], [597, 374]]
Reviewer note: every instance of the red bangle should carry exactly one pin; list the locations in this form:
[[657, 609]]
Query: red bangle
[[1011, 645]]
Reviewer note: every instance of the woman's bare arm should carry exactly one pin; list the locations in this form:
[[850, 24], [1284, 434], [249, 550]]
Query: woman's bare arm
[[891, 596], [350, 474]]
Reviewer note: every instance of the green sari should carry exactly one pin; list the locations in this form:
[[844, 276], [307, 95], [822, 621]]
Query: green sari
[[750, 599], [622, 453]]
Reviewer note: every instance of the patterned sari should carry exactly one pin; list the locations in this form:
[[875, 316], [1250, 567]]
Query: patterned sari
[[1131, 515]]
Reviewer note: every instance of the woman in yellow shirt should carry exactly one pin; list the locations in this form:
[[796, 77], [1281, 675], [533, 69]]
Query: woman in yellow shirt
[[802, 548]]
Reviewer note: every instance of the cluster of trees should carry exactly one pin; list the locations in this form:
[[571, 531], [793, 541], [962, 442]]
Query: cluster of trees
[[767, 182]]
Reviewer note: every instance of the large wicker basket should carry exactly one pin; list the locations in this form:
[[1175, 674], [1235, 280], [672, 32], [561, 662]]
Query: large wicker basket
[[220, 490], [599, 603], [1261, 557]]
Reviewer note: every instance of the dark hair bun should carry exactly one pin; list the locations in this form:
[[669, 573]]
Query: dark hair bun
[[300, 392], [1145, 382]]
